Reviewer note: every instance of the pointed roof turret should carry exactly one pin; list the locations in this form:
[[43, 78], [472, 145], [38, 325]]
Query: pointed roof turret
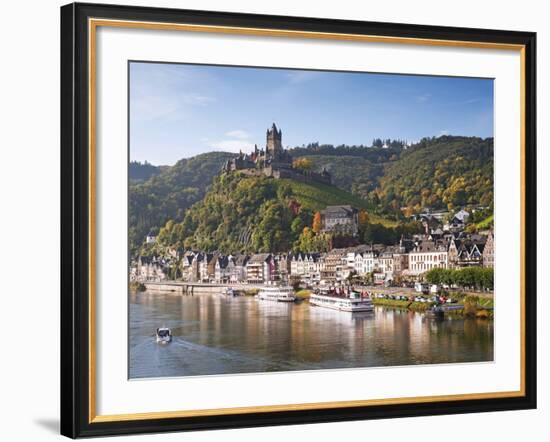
[[274, 129]]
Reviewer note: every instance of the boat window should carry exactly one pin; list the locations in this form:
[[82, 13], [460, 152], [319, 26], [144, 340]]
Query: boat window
[[163, 333]]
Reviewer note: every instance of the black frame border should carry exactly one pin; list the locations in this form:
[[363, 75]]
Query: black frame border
[[75, 220]]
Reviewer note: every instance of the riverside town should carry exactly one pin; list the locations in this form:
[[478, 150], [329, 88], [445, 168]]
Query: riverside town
[[252, 250], [442, 243], [443, 246]]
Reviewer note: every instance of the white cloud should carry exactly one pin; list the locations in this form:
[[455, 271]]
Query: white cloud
[[443, 132], [240, 134], [162, 106], [233, 145], [237, 140]]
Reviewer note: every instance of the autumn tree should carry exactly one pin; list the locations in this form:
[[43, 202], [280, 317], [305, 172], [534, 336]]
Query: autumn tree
[[309, 241], [363, 217], [363, 220], [302, 164], [316, 225]]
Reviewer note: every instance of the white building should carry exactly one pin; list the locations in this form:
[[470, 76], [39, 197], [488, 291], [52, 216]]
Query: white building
[[236, 267], [366, 262], [187, 266], [428, 255], [221, 271], [341, 219], [150, 269], [305, 266], [384, 264], [462, 216]]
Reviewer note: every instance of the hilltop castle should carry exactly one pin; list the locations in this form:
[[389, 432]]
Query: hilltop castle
[[273, 161]]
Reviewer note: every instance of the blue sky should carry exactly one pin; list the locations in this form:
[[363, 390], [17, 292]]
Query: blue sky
[[178, 111]]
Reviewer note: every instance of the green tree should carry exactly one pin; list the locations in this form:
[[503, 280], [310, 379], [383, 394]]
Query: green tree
[[435, 276], [297, 226], [283, 192], [487, 278]]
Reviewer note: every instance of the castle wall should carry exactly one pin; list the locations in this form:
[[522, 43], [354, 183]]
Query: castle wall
[[251, 172], [310, 177], [287, 172], [279, 162]]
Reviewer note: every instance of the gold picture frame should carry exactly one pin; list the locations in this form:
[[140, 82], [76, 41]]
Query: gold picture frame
[[79, 54]]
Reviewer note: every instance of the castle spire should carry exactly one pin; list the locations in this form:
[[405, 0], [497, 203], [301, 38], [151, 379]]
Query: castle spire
[[274, 146]]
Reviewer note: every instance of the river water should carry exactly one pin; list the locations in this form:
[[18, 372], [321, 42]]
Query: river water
[[213, 334]]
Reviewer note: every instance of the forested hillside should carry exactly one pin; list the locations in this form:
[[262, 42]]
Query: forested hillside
[[138, 171], [169, 193], [255, 214], [258, 214], [444, 172], [355, 174]]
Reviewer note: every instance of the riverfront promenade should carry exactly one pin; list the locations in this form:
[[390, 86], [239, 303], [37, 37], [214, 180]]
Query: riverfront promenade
[[197, 288], [205, 287]]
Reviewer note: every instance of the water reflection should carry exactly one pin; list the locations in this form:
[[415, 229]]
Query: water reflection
[[216, 334]]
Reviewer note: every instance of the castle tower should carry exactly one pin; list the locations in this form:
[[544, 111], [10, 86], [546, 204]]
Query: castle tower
[[274, 145]]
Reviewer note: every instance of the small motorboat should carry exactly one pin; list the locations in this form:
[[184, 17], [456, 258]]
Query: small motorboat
[[435, 312], [164, 335]]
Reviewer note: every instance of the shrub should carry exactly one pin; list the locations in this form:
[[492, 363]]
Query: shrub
[[484, 314], [136, 287], [470, 305], [250, 292], [303, 294], [420, 306]]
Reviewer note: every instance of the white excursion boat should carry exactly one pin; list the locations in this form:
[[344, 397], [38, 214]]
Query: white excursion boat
[[353, 302], [281, 294], [164, 335]]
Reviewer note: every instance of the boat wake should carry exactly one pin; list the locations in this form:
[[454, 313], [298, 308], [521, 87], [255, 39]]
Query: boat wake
[[184, 358]]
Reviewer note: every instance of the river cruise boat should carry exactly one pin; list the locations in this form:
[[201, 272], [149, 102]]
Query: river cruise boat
[[281, 294], [164, 335], [352, 302]]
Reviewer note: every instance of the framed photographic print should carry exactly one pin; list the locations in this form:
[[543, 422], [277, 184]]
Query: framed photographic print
[[279, 220]]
